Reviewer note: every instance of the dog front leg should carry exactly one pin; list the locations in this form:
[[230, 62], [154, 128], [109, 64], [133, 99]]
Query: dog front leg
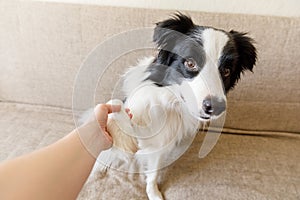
[[152, 190]]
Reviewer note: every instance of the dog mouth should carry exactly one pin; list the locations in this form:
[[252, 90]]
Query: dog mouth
[[207, 116], [204, 116]]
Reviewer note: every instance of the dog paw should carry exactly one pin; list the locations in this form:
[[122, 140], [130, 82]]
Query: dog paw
[[154, 193], [122, 119], [120, 127]]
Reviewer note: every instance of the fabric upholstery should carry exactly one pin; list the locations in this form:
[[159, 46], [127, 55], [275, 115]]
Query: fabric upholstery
[[24, 128], [262, 166]]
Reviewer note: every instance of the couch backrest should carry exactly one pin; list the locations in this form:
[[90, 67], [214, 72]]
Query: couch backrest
[[44, 44]]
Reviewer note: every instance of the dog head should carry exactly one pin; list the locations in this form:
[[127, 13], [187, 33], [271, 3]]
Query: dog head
[[210, 60]]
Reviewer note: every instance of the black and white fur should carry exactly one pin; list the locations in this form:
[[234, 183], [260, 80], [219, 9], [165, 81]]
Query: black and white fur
[[172, 94]]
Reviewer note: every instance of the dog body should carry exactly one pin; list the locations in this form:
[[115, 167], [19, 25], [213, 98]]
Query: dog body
[[174, 93]]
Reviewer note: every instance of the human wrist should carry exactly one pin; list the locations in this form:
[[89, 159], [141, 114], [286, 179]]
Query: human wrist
[[92, 138]]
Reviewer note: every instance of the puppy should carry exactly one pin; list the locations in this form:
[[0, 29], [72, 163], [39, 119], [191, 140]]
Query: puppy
[[172, 94]]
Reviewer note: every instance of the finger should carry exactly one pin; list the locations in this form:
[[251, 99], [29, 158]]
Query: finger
[[113, 108], [101, 112], [108, 136]]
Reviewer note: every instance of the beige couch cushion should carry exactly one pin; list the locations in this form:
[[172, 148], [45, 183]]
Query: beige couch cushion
[[25, 128], [239, 167], [44, 44], [263, 166]]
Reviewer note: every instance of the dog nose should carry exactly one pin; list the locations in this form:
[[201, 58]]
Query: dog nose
[[213, 105]]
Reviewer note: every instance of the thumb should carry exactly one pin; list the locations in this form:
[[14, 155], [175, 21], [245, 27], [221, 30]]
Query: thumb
[[101, 112]]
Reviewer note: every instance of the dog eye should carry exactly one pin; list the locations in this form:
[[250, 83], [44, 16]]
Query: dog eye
[[190, 64], [226, 72]]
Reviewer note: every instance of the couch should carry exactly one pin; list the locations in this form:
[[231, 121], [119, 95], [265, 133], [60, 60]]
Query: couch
[[258, 154]]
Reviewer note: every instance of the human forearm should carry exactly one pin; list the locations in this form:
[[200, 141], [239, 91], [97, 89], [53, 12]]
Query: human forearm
[[55, 172], [60, 170]]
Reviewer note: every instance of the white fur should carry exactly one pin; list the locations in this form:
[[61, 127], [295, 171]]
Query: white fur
[[163, 117], [209, 82]]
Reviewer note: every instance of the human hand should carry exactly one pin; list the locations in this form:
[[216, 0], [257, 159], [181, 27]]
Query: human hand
[[101, 113]]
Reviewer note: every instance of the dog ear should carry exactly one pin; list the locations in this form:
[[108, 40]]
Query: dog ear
[[166, 35], [168, 31], [246, 50]]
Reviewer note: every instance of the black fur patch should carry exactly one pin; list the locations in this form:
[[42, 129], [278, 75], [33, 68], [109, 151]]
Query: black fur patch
[[238, 55]]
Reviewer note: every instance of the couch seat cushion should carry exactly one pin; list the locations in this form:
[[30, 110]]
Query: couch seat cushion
[[241, 166]]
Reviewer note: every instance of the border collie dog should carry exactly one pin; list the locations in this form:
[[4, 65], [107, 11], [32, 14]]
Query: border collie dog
[[172, 94]]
